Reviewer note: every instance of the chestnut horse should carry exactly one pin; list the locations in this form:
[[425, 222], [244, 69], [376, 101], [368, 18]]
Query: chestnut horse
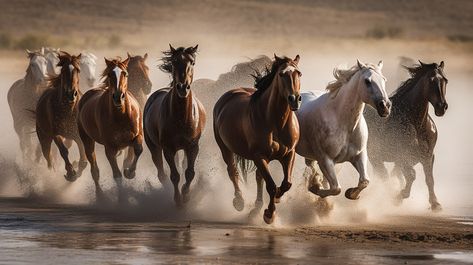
[[58, 114], [139, 83], [260, 125], [111, 116], [174, 119]]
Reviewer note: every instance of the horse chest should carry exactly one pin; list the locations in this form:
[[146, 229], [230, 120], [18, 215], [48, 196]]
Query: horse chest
[[65, 120]]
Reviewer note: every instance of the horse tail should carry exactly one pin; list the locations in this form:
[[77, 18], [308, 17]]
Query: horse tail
[[246, 166]]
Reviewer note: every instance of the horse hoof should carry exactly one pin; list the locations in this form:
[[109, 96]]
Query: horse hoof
[[268, 217], [352, 194], [436, 207], [238, 203], [71, 176], [129, 174]]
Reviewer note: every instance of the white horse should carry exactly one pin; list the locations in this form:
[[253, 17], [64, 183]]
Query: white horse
[[88, 65], [333, 129]]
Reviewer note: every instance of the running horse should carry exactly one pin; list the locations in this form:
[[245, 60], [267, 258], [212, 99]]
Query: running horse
[[57, 114], [408, 136], [22, 98], [111, 116], [333, 129], [174, 119], [139, 83], [260, 125]]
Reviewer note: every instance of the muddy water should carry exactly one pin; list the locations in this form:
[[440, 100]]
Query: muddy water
[[58, 234]]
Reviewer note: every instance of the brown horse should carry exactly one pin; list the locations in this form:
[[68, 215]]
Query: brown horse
[[22, 98], [174, 119], [57, 114], [139, 83], [111, 116], [259, 125]]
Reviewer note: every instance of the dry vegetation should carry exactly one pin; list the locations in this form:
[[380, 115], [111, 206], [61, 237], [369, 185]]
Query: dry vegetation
[[102, 24]]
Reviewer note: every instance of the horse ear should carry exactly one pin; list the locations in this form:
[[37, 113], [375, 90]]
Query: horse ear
[[276, 57], [108, 62], [79, 56], [360, 64], [42, 50], [380, 65], [194, 49], [29, 53], [128, 54], [172, 48], [127, 60], [421, 63], [442, 64], [145, 56], [296, 60]]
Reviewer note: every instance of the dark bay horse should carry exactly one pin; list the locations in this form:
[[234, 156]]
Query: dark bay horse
[[111, 116], [174, 119], [260, 125], [56, 117], [139, 83], [22, 98], [408, 136]]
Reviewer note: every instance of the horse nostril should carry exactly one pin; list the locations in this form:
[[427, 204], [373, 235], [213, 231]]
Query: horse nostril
[[122, 96], [446, 106], [299, 98], [291, 98]]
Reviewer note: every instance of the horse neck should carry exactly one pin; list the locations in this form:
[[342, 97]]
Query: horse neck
[[414, 104], [30, 83], [273, 107], [180, 108], [349, 103]]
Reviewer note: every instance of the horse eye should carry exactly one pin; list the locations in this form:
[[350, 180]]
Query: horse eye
[[367, 82]]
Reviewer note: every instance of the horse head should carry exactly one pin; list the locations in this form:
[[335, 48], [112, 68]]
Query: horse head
[[373, 90], [69, 76], [139, 73], [117, 80], [88, 65], [180, 64], [37, 68]]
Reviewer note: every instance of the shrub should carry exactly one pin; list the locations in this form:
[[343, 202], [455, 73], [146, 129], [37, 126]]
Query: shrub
[[31, 42], [379, 32], [5, 41]]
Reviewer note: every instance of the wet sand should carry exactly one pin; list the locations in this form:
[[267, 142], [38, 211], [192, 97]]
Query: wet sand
[[53, 234]]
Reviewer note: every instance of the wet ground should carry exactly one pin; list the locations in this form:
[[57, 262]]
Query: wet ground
[[58, 234]]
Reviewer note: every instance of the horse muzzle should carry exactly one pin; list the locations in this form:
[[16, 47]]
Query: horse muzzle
[[294, 102], [118, 99], [383, 107], [440, 109], [183, 90]]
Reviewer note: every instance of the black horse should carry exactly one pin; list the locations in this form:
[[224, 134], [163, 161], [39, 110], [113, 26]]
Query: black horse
[[408, 136]]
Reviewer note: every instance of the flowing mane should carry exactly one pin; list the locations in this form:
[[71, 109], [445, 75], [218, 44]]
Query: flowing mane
[[264, 79], [343, 76], [170, 56], [416, 72]]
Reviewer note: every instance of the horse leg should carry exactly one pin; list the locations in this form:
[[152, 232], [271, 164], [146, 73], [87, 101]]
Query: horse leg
[[169, 155], [259, 195], [410, 175], [45, 143], [359, 162], [130, 172], [71, 173], [191, 154], [82, 156], [428, 165], [287, 163], [89, 149], [262, 166], [111, 153], [379, 169], [328, 170], [157, 156]]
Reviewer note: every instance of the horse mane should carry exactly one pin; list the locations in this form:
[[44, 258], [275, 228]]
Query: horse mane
[[169, 56], [264, 79], [54, 81], [416, 72], [343, 76]]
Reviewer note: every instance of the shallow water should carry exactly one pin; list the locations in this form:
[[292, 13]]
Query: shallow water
[[55, 234]]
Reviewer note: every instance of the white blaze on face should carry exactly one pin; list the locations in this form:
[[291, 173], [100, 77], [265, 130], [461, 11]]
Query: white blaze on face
[[289, 68], [118, 73], [71, 68]]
